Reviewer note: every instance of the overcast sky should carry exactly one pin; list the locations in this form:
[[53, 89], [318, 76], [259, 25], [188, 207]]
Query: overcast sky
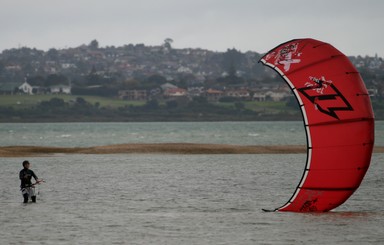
[[355, 27]]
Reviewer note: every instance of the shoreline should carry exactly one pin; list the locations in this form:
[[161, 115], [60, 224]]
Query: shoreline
[[158, 148]]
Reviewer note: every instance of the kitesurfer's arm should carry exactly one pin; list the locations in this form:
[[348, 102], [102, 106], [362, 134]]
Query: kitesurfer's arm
[[21, 175], [34, 176]]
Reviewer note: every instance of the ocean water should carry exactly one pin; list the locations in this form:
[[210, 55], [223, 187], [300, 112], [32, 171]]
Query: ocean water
[[95, 134], [179, 199], [175, 199], [91, 134]]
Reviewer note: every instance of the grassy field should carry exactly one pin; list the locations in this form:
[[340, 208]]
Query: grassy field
[[276, 110], [26, 108], [21, 102], [25, 101]]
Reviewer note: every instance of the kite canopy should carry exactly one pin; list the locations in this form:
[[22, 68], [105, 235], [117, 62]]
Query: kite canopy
[[338, 121]]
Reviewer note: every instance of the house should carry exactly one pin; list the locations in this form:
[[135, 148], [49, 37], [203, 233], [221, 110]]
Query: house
[[13, 68], [183, 69], [26, 88], [238, 93], [60, 89], [40, 90], [259, 96], [195, 91], [277, 95], [175, 92], [213, 95], [133, 94], [372, 92], [68, 66]]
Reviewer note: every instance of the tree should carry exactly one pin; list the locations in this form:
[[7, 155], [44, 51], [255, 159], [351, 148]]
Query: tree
[[81, 101], [172, 104], [129, 84], [94, 44], [239, 106], [36, 80], [152, 105], [152, 82], [380, 89], [2, 67], [231, 60], [168, 43], [54, 102], [53, 54], [56, 79]]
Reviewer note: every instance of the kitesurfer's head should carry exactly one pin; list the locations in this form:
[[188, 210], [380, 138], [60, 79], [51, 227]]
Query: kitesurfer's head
[[26, 164]]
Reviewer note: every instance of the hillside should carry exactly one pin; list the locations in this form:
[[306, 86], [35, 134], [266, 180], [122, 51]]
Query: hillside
[[126, 84]]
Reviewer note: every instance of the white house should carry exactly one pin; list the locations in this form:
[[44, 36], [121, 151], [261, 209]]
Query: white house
[[26, 88], [259, 96], [277, 95], [213, 95], [238, 93], [60, 89], [183, 69]]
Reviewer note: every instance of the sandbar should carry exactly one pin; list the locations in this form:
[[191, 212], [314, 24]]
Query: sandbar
[[158, 148]]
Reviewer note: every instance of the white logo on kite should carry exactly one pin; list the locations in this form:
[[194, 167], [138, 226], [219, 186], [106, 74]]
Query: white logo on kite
[[286, 56], [318, 84]]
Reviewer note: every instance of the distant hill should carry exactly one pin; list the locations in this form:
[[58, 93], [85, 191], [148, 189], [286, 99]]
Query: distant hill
[[131, 66]]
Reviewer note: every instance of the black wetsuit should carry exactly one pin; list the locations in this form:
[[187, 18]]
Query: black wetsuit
[[26, 177]]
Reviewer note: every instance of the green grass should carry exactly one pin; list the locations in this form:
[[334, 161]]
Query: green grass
[[25, 101]]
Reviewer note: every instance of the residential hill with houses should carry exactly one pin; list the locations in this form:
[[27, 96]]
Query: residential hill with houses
[[140, 72]]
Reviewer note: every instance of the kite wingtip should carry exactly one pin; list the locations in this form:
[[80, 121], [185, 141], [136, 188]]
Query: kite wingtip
[[269, 210]]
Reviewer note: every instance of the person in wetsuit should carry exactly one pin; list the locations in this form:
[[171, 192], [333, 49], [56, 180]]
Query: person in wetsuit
[[27, 188]]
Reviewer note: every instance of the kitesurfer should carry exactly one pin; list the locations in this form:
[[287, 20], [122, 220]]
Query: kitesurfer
[[27, 188]]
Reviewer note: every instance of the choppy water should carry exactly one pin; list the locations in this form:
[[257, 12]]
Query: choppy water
[[93, 134], [175, 199], [179, 199]]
